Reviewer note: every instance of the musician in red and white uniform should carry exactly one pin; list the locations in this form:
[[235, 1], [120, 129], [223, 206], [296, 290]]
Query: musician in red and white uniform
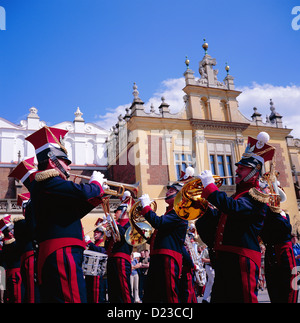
[[239, 221], [58, 206], [119, 253], [166, 248], [280, 262], [11, 258], [96, 285], [24, 232]]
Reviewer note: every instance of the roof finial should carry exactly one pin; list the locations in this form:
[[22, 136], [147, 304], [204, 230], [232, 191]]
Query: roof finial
[[227, 68], [135, 92], [187, 62], [205, 46]]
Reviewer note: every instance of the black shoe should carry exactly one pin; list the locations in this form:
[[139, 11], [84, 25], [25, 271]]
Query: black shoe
[[204, 301]]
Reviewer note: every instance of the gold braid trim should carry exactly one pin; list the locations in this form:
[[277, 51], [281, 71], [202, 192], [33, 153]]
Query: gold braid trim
[[48, 173], [258, 195], [60, 145], [18, 218]]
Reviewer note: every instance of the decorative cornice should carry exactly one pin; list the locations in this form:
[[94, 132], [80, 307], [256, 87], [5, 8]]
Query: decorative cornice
[[218, 125]]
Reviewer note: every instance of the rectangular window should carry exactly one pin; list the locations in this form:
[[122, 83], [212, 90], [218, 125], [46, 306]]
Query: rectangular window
[[212, 164], [221, 165], [221, 159], [182, 161], [229, 170]]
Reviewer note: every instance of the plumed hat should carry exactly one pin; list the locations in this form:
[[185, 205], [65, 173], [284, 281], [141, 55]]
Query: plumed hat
[[188, 174], [24, 171], [24, 197], [5, 222], [49, 140], [257, 152]]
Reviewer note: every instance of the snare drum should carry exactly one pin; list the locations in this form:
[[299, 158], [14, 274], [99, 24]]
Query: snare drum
[[94, 263]]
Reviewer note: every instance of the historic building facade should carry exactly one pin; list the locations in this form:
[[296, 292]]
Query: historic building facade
[[208, 133], [85, 143]]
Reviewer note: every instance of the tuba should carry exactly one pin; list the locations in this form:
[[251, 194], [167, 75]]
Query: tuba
[[188, 203], [140, 231]]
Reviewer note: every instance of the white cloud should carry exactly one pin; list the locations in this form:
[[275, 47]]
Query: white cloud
[[286, 100], [110, 118], [170, 89]]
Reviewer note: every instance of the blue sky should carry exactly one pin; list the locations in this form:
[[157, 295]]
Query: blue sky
[[57, 55]]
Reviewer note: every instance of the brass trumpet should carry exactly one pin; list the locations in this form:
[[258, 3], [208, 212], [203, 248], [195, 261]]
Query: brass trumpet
[[140, 230], [188, 203], [121, 187]]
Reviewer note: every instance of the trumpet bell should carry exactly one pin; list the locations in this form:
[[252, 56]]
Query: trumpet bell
[[135, 238]]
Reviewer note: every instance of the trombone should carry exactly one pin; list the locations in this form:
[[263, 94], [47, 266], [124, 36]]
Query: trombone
[[121, 187]]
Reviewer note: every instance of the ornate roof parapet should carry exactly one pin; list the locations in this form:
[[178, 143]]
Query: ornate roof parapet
[[228, 80], [189, 74], [33, 113], [272, 120], [256, 117], [33, 120], [275, 118], [164, 107], [209, 75], [78, 115], [137, 107]]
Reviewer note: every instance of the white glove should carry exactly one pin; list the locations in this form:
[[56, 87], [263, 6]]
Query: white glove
[[126, 194], [145, 200], [206, 178], [97, 177], [87, 238]]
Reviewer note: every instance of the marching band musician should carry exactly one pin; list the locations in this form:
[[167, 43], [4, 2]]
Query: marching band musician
[[96, 286], [119, 256], [166, 247], [279, 256], [28, 249], [24, 231], [11, 258], [240, 219], [187, 292], [58, 206]]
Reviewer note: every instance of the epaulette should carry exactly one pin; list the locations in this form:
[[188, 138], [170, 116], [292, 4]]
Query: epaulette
[[258, 195], [48, 173], [18, 218]]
